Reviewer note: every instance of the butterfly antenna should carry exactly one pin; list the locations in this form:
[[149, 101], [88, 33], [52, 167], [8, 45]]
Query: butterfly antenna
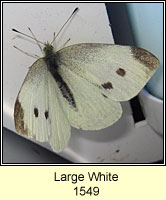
[[31, 55], [35, 39], [54, 34], [75, 10], [65, 43], [26, 35]]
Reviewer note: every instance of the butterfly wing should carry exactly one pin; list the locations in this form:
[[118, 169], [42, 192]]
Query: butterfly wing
[[91, 109], [38, 112], [99, 76], [119, 71]]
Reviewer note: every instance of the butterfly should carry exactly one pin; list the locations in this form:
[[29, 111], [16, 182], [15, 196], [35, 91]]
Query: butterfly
[[81, 86]]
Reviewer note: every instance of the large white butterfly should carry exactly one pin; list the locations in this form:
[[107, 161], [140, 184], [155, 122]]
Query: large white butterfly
[[80, 86]]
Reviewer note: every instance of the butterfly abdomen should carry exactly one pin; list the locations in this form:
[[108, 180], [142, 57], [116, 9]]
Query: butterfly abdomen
[[65, 90]]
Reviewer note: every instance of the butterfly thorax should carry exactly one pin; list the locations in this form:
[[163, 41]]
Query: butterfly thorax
[[49, 56]]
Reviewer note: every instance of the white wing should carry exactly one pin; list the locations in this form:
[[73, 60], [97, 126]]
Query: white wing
[[119, 71], [93, 110], [38, 112]]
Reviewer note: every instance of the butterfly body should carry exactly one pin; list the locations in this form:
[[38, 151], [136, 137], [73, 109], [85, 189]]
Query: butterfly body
[[80, 86], [50, 59]]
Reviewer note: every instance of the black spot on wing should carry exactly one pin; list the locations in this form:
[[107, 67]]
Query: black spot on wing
[[121, 72], [107, 85], [36, 112], [46, 114]]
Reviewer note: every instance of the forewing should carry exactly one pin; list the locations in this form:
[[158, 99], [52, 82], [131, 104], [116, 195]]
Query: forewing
[[119, 71], [37, 111]]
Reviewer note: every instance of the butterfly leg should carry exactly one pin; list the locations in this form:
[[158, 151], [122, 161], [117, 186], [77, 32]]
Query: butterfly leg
[[26, 53]]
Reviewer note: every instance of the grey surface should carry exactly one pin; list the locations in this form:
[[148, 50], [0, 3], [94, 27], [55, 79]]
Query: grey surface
[[19, 150]]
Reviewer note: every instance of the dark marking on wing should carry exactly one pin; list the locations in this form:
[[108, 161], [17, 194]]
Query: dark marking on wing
[[117, 151], [19, 118], [51, 61], [145, 57], [46, 114], [36, 112], [121, 72], [107, 85], [104, 95]]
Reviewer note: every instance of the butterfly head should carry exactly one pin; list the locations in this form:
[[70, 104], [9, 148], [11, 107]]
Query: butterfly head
[[48, 50]]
